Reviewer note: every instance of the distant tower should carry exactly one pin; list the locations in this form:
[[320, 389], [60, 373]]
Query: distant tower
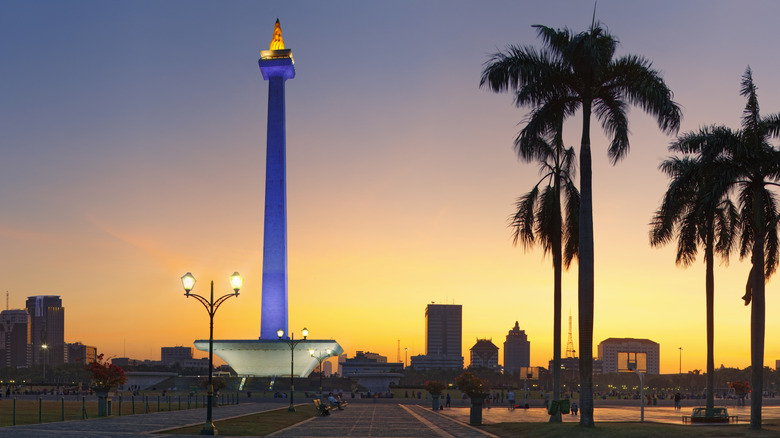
[[47, 327], [570, 352], [276, 65], [517, 350], [443, 331], [484, 354], [15, 339]]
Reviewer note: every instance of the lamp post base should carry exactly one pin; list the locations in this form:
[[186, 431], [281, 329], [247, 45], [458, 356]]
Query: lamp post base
[[208, 429], [291, 408]]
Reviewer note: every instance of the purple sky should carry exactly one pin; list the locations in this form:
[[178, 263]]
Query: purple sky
[[133, 140]]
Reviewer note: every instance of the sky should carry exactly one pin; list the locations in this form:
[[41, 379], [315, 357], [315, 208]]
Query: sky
[[133, 151]]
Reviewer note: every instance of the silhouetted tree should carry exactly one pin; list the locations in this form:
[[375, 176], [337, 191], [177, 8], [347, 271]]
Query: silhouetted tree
[[754, 165], [539, 219], [573, 72], [697, 211]]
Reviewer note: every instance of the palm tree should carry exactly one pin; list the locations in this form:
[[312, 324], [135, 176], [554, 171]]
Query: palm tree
[[754, 165], [539, 218], [570, 73], [696, 208]]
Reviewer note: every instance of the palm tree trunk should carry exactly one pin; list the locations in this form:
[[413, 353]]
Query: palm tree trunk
[[710, 293], [757, 311], [558, 270], [585, 277]]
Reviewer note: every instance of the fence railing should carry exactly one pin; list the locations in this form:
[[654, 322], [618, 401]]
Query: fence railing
[[31, 410]]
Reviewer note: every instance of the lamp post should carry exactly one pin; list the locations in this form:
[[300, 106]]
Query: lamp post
[[641, 391], [680, 360], [320, 358], [45, 348], [292, 343], [406, 355], [188, 281]]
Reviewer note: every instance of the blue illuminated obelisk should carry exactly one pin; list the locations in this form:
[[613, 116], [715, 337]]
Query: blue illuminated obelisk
[[270, 356], [276, 65]]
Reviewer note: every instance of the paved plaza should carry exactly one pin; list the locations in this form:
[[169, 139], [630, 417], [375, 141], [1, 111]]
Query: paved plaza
[[616, 413], [362, 418]]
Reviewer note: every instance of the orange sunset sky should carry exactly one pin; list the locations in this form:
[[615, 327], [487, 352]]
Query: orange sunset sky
[[133, 140]]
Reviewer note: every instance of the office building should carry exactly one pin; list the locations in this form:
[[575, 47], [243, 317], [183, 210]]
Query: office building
[[80, 353], [372, 372], [627, 354], [573, 364], [484, 354], [15, 339], [443, 338], [517, 350], [169, 356], [47, 330]]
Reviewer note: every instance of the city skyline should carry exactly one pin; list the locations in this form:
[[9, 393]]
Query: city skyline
[[134, 143]]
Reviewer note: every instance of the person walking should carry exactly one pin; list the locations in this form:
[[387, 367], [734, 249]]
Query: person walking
[[448, 401]]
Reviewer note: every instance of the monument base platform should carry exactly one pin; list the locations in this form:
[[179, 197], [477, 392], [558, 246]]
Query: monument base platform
[[271, 357]]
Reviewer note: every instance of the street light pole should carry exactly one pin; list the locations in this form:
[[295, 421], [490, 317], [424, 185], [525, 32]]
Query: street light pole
[[188, 281], [320, 358], [641, 393], [406, 355], [45, 348], [680, 360], [292, 343]]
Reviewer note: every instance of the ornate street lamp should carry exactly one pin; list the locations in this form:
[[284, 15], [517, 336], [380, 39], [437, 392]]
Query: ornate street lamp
[[320, 358], [292, 343], [188, 282]]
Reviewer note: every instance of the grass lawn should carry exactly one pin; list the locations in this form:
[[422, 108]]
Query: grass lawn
[[627, 430], [257, 424]]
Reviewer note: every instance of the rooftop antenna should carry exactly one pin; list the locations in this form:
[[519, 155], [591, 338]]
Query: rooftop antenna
[[569, 343]]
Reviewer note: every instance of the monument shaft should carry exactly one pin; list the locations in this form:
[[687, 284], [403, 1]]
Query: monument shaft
[[274, 300]]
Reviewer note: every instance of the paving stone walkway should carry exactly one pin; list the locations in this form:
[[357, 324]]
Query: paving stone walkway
[[141, 425], [388, 418], [383, 420]]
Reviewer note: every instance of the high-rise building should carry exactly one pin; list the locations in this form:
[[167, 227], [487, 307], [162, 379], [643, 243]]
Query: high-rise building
[[172, 355], [443, 330], [327, 368], [47, 328], [443, 337], [80, 353], [15, 338], [484, 354], [517, 350], [628, 354]]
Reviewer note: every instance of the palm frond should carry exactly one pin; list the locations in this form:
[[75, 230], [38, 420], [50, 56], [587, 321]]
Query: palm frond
[[750, 115], [634, 77], [771, 246], [556, 39], [548, 219], [571, 233], [523, 220], [611, 112]]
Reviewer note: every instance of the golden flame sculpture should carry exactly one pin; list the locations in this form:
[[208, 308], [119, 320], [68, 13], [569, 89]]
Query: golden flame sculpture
[[277, 43]]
